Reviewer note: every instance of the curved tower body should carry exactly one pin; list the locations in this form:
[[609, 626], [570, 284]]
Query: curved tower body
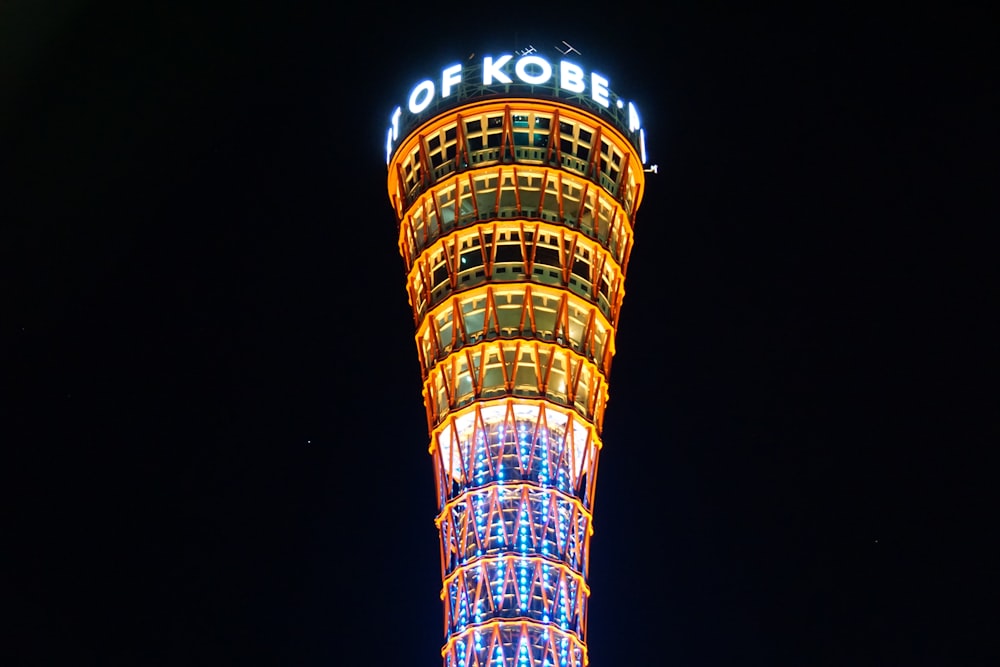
[[515, 181]]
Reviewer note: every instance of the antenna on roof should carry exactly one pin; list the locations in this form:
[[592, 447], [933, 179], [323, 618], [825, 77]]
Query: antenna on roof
[[569, 49]]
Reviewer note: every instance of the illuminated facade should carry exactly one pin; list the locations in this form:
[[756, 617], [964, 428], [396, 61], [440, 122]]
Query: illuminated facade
[[515, 181]]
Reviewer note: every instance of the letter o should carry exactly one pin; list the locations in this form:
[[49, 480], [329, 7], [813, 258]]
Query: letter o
[[424, 88], [521, 69]]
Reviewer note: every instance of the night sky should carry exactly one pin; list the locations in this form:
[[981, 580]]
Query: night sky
[[212, 429]]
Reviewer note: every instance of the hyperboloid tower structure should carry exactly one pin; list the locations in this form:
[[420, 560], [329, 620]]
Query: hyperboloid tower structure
[[515, 179]]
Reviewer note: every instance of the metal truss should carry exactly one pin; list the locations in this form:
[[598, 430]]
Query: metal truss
[[494, 252], [514, 440], [528, 192], [508, 312], [515, 368]]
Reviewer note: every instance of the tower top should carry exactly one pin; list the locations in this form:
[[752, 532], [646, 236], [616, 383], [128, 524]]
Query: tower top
[[523, 73]]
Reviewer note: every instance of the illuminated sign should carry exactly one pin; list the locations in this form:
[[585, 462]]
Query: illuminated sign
[[565, 78]]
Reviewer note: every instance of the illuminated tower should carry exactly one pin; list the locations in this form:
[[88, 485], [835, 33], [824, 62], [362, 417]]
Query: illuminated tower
[[515, 180]]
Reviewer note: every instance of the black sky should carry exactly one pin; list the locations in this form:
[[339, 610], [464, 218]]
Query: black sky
[[215, 437]]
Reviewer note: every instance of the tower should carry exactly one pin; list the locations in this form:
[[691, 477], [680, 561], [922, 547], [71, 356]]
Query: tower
[[515, 180]]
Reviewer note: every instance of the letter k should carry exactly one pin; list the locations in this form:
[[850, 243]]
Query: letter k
[[491, 69]]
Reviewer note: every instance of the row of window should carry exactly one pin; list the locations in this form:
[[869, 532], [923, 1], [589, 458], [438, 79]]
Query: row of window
[[527, 128], [550, 256], [518, 368], [524, 312], [498, 133], [516, 192]]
